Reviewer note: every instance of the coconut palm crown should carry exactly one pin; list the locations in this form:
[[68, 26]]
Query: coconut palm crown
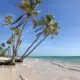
[[46, 26], [28, 6]]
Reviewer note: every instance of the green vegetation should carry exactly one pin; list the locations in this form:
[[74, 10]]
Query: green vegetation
[[44, 27], [2, 52]]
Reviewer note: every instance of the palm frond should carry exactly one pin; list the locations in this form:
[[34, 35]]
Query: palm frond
[[8, 19], [49, 17], [50, 26], [36, 13], [2, 44], [25, 6], [10, 40], [38, 22], [32, 2], [16, 30]]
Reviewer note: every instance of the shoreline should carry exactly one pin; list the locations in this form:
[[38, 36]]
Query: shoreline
[[38, 69]]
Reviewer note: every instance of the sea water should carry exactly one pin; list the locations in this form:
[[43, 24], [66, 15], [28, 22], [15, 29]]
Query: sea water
[[68, 59]]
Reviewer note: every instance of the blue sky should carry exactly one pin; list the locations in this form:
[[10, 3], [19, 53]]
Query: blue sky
[[67, 14]]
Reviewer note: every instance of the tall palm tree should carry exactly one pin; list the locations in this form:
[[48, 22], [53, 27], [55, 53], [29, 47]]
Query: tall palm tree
[[28, 7], [14, 34], [8, 21], [46, 27]]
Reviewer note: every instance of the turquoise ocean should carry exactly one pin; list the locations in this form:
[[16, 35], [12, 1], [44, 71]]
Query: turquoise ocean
[[69, 59]]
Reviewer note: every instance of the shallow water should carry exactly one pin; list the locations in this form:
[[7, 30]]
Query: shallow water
[[68, 59]]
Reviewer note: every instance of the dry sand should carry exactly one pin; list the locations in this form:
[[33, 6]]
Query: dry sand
[[37, 69]]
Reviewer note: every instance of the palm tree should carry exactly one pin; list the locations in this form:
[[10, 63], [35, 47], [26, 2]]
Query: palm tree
[[14, 34], [46, 27], [8, 21], [29, 12], [28, 8]]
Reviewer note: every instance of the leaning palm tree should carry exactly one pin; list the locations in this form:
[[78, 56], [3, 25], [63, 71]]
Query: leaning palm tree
[[14, 34], [29, 12], [10, 41], [28, 7], [46, 27]]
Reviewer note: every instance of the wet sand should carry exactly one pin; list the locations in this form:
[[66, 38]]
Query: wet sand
[[37, 69]]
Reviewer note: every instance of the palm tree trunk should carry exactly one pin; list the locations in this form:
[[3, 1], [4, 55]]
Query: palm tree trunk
[[13, 56], [35, 47], [21, 34], [13, 49], [30, 46]]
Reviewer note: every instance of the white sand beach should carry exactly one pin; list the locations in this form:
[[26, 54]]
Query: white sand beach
[[37, 69]]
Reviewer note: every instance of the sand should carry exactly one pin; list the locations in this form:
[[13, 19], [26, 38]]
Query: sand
[[37, 69], [4, 58]]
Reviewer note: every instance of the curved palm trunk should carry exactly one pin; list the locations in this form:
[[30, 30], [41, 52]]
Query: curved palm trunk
[[20, 35], [30, 46], [13, 57], [14, 51], [35, 47]]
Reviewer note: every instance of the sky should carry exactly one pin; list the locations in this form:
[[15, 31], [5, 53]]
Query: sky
[[67, 14]]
